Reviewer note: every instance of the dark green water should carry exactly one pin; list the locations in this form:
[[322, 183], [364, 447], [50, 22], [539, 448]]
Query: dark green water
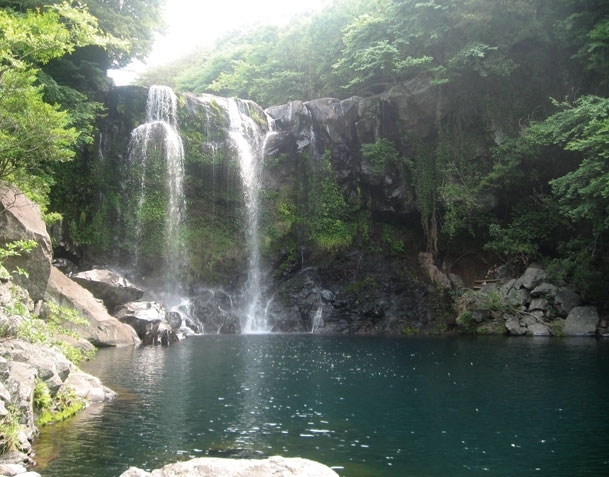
[[366, 406]]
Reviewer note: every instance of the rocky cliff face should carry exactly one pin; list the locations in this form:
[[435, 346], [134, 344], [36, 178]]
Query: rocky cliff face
[[349, 219], [338, 129]]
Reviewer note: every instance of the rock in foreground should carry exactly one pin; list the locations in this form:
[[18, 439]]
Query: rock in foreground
[[211, 466]]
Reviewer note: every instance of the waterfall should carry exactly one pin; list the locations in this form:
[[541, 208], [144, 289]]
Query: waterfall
[[154, 142], [249, 139], [318, 320]]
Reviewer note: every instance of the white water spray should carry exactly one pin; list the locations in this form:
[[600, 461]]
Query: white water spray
[[249, 139], [161, 123], [318, 320]]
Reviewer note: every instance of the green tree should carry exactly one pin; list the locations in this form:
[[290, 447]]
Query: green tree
[[32, 131], [267, 64], [376, 51], [582, 127], [134, 22]]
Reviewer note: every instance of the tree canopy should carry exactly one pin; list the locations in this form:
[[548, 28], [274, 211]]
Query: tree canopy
[[53, 62], [33, 131]]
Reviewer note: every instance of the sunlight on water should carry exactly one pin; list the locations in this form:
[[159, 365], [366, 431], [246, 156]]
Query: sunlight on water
[[365, 406]]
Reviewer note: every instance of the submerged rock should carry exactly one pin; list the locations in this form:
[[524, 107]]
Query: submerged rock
[[212, 466]]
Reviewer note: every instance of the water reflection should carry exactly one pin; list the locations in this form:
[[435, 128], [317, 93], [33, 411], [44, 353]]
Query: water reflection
[[368, 406]]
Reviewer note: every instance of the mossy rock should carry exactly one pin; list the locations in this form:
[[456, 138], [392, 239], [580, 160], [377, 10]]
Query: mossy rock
[[494, 327]]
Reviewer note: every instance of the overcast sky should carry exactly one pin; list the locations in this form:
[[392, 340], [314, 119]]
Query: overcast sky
[[191, 23], [195, 22]]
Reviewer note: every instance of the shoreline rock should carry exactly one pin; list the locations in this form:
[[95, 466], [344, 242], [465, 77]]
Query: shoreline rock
[[276, 466], [20, 219], [530, 306], [103, 329]]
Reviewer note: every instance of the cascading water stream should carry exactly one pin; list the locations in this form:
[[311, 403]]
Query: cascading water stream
[[249, 139], [318, 320], [161, 125]]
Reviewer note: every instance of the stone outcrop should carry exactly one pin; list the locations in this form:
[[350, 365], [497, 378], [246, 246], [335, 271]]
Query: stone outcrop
[[20, 219], [108, 286], [530, 305], [211, 467], [103, 329], [150, 321], [22, 366], [215, 310], [341, 127], [13, 470]]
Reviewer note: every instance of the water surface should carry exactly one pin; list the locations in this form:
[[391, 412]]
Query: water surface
[[365, 406]]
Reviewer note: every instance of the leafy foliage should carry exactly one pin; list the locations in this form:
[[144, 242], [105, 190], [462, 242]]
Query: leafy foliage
[[381, 154], [582, 194], [14, 249], [10, 430], [51, 409], [33, 132], [53, 62], [51, 330]]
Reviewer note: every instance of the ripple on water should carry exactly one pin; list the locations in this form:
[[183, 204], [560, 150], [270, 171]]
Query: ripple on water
[[366, 406]]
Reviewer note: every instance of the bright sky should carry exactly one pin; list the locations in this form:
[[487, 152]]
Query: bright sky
[[191, 23]]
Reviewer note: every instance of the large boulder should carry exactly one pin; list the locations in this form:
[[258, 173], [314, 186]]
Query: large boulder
[[88, 387], [582, 321], [214, 309], [102, 329], [51, 366], [513, 326], [20, 219], [150, 321], [108, 286], [565, 300], [212, 466], [561, 299], [532, 277]]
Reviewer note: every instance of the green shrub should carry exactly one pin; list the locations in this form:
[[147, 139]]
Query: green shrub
[[51, 409]]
